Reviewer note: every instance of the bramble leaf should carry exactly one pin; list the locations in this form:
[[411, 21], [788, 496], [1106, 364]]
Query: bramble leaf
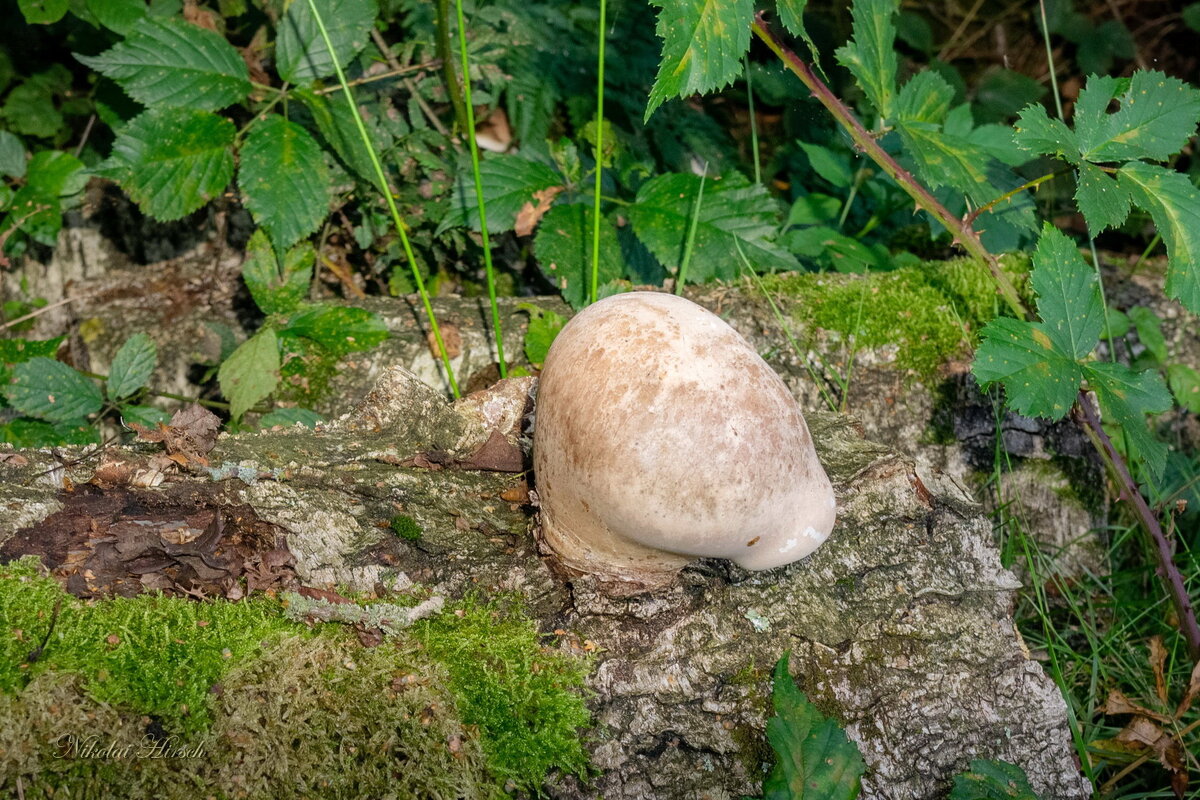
[[12, 155], [272, 292], [132, 366], [1158, 115], [925, 98], [300, 51], [337, 128], [703, 44], [251, 372], [1185, 385], [1126, 397], [731, 210], [1039, 381], [339, 329], [833, 167], [283, 179], [1038, 133], [563, 246], [171, 161], [1174, 205], [544, 325], [509, 182], [168, 63], [791, 14], [1103, 202], [814, 759], [36, 208], [1068, 295], [118, 15], [50, 390], [992, 780], [871, 55]]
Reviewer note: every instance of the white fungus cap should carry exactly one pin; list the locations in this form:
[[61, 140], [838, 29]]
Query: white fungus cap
[[662, 437]]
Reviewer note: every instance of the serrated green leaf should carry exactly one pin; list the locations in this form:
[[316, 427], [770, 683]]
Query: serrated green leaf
[[273, 292], [31, 433], [833, 167], [509, 182], [1091, 109], [169, 63], [1174, 205], [172, 161], [118, 15], [1185, 385], [1068, 295], [288, 417], [871, 55], [1149, 331], [925, 98], [1126, 397], [732, 210], [1158, 115], [43, 12], [813, 209], [50, 390], [15, 351], [563, 246], [132, 366], [339, 329], [251, 373], [1103, 202], [1038, 380], [12, 156], [703, 44], [300, 52], [36, 207], [1038, 133], [544, 326], [814, 759], [283, 179], [992, 780], [791, 14], [146, 416], [339, 130]]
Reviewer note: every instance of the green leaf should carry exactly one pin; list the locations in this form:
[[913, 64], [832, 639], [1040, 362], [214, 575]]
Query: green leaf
[[1185, 385], [871, 55], [31, 433], [12, 156], [1149, 331], [1191, 16], [132, 366], [146, 416], [544, 326], [273, 292], [1039, 381], [1101, 45], [50, 390], [169, 63], [925, 98], [703, 45], [1103, 202], [16, 351], [992, 780], [1126, 397], [563, 246], [1174, 205], [1038, 133], [300, 52], [283, 178], [43, 12], [1068, 294], [338, 129], [30, 110], [833, 167], [732, 210], [172, 161], [251, 373], [814, 209], [814, 759], [509, 182], [1158, 115], [791, 14], [118, 15], [340, 329], [1118, 324], [1004, 92], [288, 417], [36, 207]]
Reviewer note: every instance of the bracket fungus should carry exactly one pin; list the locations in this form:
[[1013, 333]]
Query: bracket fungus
[[662, 437]]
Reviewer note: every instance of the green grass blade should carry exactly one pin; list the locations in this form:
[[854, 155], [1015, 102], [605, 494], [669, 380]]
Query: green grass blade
[[401, 228], [595, 286], [691, 237]]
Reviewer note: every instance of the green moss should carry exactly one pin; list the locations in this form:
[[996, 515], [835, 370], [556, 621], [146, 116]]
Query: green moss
[[931, 312], [406, 527], [525, 699]]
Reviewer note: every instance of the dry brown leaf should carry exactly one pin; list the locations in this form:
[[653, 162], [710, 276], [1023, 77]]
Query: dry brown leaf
[[1118, 703], [1158, 660], [530, 215], [1193, 691], [451, 337]]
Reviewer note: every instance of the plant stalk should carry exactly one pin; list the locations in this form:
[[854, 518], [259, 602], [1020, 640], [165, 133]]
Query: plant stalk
[[594, 288]]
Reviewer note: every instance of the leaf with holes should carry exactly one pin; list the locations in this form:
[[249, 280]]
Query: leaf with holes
[[1174, 205], [563, 247], [283, 179], [171, 161], [50, 390], [277, 288], [871, 54], [731, 210], [132, 366], [169, 63], [300, 52], [251, 373], [1157, 117], [703, 44], [509, 182]]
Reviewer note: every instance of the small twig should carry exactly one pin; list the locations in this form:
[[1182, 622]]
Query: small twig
[[36, 652], [39, 311], [87, 132], [396, 66], [383, 76]]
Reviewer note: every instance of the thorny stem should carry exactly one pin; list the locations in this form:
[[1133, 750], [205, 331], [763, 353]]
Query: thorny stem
[[963, 234]]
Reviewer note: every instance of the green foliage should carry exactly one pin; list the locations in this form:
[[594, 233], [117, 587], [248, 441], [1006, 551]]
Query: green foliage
[[544, 326], [564, 252], [50, 390], [992, 780], [703, 43], [132, 366], [277, 288], [251, 373], [814, 759], [339, 329], [406, 528], [871, 54], [283, 179], [509, 182], [302, 54]]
